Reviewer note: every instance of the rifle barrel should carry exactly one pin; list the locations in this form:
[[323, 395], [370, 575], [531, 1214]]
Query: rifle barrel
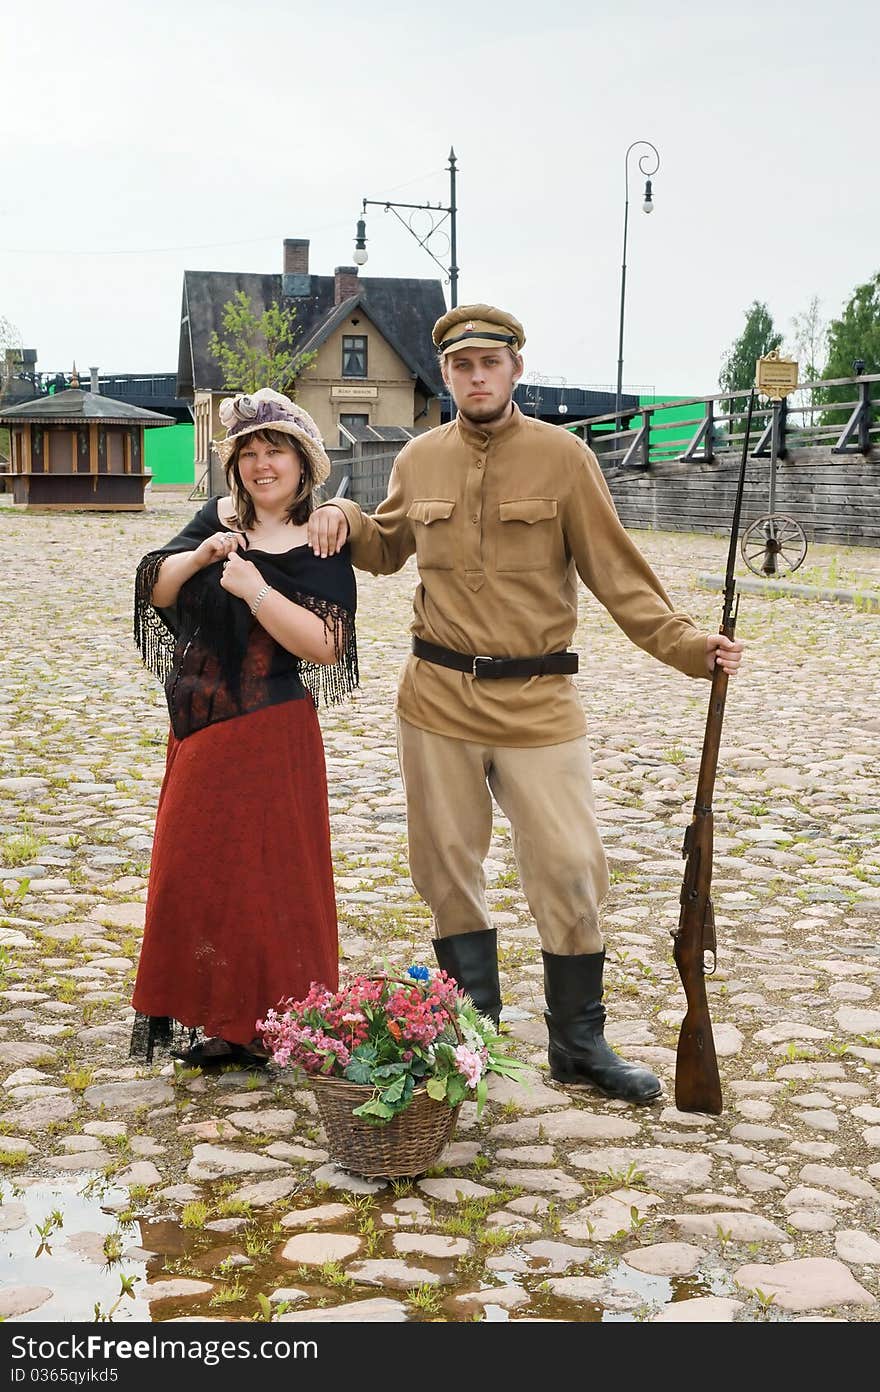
[[729, 583]]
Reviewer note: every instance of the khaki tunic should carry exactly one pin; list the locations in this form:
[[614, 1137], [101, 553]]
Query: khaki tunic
[[502, 525]]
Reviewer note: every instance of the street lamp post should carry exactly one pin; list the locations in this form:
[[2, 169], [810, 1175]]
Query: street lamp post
[[649, 163], [434, 210], [537, 381]]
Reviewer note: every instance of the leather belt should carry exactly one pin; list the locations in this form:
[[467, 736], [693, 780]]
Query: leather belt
[[493, 668]]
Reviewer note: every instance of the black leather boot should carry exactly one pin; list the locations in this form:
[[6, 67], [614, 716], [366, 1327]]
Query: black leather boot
[[472, 958], [578, 1051]]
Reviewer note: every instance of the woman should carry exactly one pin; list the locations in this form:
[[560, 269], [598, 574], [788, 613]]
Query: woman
[[246, 626]]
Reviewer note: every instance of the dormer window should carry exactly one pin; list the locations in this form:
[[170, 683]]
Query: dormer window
[[354, 355]]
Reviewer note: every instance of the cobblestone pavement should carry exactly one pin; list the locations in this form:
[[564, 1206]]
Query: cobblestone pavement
[[218, 1193]]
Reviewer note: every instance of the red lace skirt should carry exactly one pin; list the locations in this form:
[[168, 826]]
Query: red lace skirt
[[241, 909]]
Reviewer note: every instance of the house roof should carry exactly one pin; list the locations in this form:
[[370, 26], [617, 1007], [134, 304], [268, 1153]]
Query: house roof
[[403, 310], [74, 407], [370, 434]]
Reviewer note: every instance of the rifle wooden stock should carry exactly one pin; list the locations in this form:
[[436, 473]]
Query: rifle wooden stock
[[697, 1083]]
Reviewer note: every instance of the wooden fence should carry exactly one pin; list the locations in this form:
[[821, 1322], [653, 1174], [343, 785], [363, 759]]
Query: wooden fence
[[680, 474]]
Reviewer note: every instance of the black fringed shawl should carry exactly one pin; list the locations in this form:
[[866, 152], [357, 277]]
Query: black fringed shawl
[[215, 660]]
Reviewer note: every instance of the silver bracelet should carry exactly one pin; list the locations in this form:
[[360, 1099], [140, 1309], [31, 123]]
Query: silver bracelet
[[259, 597]]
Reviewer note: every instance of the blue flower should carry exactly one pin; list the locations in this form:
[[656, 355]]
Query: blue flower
[[418, 973]]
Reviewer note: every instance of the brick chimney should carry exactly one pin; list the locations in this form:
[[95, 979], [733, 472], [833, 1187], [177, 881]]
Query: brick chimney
[[346, 283], [296, 256], [94, 385]]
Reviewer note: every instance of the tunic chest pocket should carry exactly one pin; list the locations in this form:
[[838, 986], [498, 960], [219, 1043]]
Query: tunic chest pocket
[[526, 534], [432, 522]]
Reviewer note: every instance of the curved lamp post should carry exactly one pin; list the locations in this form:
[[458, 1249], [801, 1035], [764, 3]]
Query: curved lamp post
[[649, 163]]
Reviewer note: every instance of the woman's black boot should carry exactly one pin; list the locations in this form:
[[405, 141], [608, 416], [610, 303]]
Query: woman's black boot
[[578, 1051], [472, 958]]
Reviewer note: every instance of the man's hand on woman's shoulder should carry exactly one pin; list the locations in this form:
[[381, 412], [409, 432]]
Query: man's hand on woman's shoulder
[[328, 530]]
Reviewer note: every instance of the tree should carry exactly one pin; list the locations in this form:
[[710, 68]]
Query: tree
[[810, 340], [757, 338], [257, 349], [10, 335], [10, 341], [809, 346], [854, 337]]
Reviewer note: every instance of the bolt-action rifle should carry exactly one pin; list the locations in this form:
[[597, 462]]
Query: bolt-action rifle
[[697, 1084]]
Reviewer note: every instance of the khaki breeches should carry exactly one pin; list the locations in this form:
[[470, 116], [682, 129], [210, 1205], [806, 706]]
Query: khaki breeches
[[546, 794]]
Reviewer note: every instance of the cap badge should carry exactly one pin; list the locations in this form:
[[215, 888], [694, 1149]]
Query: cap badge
[[469, 326]]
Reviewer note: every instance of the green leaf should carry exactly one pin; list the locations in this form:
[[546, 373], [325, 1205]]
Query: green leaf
[[390, 1070], [394, 1092], [436, 1088], [482, 1094], [374, 1108], [358, 1071], [456, 1089], [507, 1068]]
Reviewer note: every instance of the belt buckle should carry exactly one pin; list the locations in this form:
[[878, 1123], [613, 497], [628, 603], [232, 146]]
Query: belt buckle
[[475, 672]]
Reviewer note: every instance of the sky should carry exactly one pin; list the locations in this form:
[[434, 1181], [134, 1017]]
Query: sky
[[143, 141]]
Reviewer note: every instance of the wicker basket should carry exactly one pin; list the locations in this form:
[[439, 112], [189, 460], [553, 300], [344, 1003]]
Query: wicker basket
[[403, 1147], [407, 1145]]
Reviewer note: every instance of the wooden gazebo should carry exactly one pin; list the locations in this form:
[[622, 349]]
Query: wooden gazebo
[[78, 449]]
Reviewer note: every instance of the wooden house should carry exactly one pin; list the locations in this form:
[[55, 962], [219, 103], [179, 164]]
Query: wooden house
[[78, 449], [374, 366]]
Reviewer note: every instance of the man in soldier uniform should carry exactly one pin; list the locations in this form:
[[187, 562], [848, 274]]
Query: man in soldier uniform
[[503, 513]]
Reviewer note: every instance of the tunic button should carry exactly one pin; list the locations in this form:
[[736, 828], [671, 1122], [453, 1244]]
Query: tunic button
[[475, 518]]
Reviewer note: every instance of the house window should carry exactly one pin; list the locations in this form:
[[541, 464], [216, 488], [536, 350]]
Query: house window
[[354, 355], [115, 463], [61, 451], [350, 422]]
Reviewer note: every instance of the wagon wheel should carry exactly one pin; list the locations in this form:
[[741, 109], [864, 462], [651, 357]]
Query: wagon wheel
[[774, 545]]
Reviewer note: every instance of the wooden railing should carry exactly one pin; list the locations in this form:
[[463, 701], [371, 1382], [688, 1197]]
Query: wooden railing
[[714, 426]]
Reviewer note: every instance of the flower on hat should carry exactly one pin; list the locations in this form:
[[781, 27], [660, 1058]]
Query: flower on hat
[[236, 408], [264, 407], [268, 409]]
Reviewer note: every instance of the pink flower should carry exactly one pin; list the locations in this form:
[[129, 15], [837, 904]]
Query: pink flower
[[469, 1064]]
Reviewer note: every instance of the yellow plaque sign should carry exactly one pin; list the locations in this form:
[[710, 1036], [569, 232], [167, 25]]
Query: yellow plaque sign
[[775, 376], [354, 393]]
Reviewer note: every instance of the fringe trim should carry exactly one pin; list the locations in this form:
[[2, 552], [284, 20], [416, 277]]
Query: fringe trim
[[336, 680], [151, 1032], [153, 637]]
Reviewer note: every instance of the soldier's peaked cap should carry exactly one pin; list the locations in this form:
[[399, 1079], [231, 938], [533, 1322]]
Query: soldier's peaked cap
[[477, 326]]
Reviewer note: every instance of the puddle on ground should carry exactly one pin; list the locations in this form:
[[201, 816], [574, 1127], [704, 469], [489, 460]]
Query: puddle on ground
[[69, 1256], [93, 1241]]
